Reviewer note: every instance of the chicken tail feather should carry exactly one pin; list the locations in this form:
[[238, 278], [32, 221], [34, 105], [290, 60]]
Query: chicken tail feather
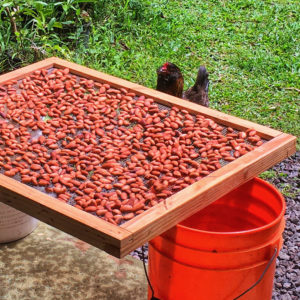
[[198, 93], [202, 82]]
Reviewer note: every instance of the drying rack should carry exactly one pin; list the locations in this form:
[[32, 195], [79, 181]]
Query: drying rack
[[121, 240]]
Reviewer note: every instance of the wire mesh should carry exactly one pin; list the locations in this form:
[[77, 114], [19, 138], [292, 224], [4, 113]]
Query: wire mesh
[[178, 133]]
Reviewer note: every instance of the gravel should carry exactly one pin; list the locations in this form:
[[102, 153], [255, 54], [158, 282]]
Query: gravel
[[286, 177], [287, 276]]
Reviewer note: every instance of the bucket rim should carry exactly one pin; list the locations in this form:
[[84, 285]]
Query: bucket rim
[[245, 232]]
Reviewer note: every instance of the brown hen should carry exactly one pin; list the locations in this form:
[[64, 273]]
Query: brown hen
[[170, 81]]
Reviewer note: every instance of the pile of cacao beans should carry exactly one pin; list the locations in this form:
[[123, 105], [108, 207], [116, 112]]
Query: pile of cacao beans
[[107, 150]]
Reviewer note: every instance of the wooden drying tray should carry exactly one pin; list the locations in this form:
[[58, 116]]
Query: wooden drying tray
[[121, 240]]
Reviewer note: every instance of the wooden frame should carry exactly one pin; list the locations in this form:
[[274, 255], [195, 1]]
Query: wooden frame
[[121, 240]]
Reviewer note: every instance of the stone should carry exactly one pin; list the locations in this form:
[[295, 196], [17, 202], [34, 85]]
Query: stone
[[287, 285]]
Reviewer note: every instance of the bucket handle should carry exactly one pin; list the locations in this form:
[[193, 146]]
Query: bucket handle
[[146, 273], [261, 276], [245, 292]]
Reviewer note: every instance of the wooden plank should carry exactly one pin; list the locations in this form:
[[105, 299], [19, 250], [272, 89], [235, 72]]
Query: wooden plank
[[219, 117], [23, 72], [202, 193], [83, 225]]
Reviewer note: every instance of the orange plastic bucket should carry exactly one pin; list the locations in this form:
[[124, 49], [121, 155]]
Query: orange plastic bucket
[[222, 250]]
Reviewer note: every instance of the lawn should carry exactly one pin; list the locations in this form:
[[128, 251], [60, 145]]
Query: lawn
[[250, 47]]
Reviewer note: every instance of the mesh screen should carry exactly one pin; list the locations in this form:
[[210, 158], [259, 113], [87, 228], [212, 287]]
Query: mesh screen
[[7, 98]]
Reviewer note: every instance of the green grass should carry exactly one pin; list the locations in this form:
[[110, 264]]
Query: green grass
[[269, 175], [286, 188], [250, 48], [287, 191]]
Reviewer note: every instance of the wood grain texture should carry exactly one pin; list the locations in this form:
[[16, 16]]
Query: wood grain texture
[[120, 240], [202, 193], [50, 210]]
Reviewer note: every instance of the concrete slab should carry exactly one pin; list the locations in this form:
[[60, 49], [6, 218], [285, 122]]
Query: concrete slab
[[51, 265]]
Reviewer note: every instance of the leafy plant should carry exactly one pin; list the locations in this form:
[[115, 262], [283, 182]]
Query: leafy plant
[[35, 29]]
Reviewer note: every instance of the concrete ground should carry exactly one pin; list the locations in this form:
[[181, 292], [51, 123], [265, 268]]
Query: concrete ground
[[51, 265]]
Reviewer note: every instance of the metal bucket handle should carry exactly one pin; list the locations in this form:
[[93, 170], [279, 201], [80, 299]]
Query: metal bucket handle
[[245, 292]]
